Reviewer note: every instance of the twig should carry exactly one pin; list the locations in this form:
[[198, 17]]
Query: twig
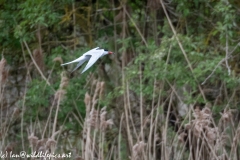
[[224, 59], [24, 98], [213, 71], [227, 55], [125, 95], [105, 9], [119, 137], [56, 115], [39, 70], [164, 134], [181, 47], [145, 42], [74, 26], [141, 102], [234, 48]]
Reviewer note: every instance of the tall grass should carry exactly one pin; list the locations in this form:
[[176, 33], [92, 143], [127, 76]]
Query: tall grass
[[138, 134], [134, 107]]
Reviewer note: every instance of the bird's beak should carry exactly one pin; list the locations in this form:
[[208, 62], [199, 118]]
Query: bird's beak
[[110, 52]]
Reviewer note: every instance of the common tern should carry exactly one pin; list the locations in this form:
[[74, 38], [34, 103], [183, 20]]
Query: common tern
[[93, 55]]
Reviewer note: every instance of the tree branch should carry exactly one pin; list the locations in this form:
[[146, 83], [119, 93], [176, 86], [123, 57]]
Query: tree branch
[[39, 70]]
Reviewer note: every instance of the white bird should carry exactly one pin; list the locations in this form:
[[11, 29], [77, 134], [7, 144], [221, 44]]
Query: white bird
[[92, 55]]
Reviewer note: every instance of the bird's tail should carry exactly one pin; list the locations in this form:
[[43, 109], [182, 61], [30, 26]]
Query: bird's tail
[[66, 63], [77, 60]]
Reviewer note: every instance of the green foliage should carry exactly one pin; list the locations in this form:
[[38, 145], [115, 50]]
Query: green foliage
[[227, 22], [8, 18], [38, 100], [34, 14], [74, 96], [207, 30]]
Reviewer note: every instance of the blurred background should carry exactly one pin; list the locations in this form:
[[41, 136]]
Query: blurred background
[[170, 91]]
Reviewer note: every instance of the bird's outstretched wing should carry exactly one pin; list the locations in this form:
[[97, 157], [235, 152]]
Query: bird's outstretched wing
[[82, 58], [94, 57], [91, 51], [85, 58], [76, 60]]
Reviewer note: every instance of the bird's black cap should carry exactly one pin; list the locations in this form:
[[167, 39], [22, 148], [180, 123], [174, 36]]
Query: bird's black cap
[[103, 49]]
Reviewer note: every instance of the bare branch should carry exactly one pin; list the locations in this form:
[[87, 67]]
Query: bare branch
[[213, 71], [181, 47], [39, 70]]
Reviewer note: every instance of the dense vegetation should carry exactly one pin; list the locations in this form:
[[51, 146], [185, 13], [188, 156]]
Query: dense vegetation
[[170, 91]]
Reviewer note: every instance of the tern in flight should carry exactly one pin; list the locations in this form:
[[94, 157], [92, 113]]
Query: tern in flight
[[92, 55]]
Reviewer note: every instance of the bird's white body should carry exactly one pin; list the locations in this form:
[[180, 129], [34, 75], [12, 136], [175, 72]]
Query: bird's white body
[[93, 55]]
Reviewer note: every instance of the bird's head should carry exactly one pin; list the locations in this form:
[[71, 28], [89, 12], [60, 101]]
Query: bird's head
[[108, 52]]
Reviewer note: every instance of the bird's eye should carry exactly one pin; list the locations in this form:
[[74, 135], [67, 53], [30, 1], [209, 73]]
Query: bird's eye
[[105, 50]]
